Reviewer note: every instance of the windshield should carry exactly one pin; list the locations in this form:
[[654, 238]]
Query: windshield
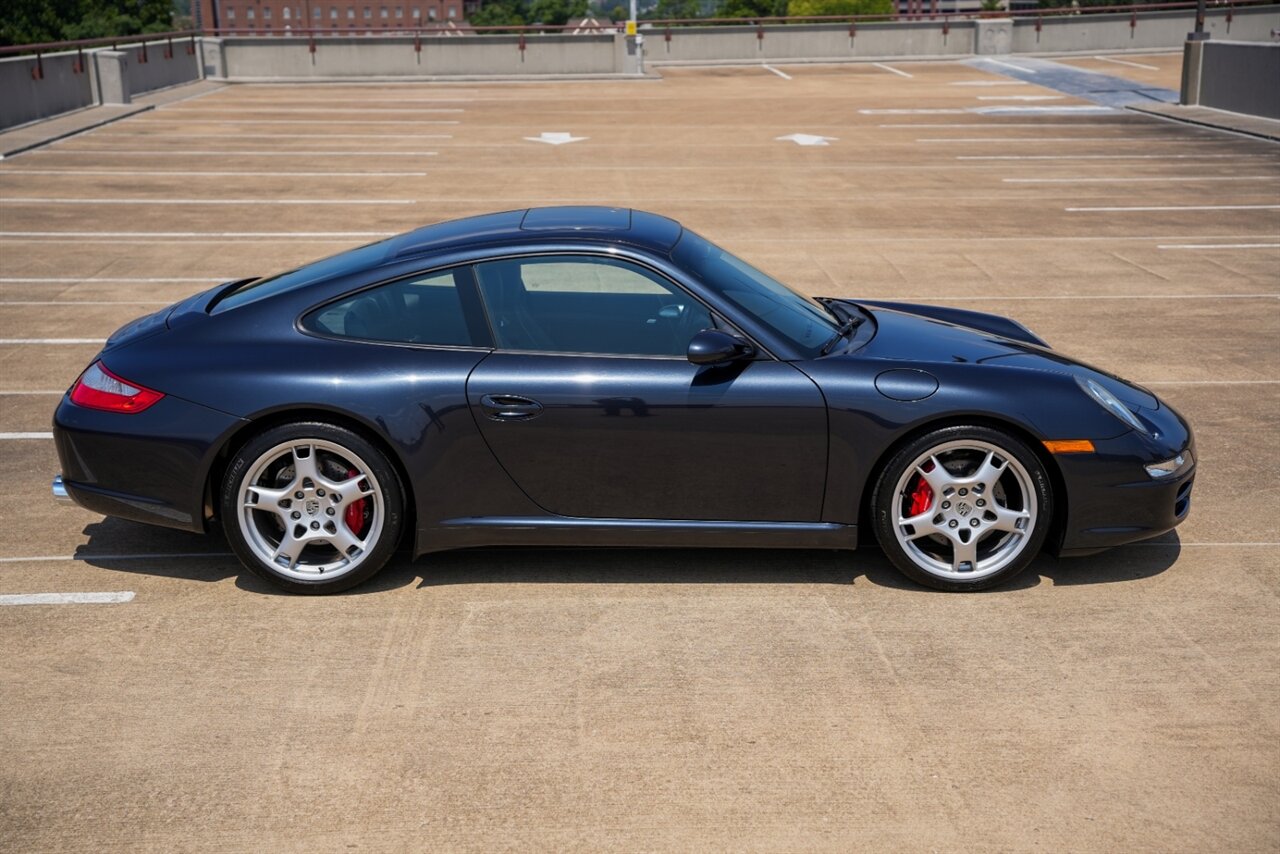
[[805, 324], [327, 268]]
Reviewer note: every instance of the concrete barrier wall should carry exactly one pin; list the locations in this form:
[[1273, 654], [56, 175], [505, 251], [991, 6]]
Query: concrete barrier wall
[[158, 72], [1154, 30], [24, 99], [1241, 77], [691, 45], [277, 58]]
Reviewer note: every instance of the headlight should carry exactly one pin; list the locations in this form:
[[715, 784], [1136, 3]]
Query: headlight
[[1111, 403], [1173, 466]]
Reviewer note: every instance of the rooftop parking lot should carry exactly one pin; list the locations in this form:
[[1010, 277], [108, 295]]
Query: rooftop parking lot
[[677, 700]]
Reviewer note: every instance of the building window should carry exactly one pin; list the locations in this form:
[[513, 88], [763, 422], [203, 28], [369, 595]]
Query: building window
[[399, 12], [453, 12], [266, 13], [286, 13], [417, 13], [431, 14], [382, 13], [231, 13], [251, 13], [351, 13], [368, 12]]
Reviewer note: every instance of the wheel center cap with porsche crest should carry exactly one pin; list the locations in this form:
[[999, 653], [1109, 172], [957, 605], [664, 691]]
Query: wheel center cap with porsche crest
[[962, 508], [312, 506]]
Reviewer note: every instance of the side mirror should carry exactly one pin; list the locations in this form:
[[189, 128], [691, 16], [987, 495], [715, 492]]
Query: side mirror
[[713, 347]]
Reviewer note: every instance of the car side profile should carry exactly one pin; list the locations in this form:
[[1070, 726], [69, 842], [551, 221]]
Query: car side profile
[[603, 376]]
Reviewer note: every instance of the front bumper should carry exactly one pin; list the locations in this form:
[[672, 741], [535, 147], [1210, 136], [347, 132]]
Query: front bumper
[[147, 466], [1113, 500]]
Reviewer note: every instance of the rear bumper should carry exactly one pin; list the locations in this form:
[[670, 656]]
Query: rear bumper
[[148, 466]]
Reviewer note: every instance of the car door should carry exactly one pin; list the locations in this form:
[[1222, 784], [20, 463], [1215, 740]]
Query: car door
[[592, 407]]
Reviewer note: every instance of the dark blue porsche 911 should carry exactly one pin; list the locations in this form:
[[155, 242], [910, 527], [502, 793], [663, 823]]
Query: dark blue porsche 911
[[597, 376]]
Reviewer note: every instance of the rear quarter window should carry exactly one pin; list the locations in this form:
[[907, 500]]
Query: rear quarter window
[[421, 310]]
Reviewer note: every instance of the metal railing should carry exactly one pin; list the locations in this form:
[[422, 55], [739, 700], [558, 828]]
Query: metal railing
[[186, 39]]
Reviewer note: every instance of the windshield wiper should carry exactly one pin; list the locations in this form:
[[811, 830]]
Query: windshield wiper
[[845, 328]]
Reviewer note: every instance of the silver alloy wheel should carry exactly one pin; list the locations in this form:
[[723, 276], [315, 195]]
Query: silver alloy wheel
[[980, 515], [294, 504]]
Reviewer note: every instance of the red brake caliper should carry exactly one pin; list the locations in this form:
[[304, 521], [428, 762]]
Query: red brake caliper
[[354, 515], [921, 497]]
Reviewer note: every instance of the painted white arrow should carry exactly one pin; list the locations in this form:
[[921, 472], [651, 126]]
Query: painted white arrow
[[808, 139], [555, 138]]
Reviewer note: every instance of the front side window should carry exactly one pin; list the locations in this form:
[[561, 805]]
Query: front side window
[[801, 321], [577, 304], [426, 310]]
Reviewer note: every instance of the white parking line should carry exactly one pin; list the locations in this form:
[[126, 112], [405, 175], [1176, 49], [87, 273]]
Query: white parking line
[[990, 83], [183, 234], [19, 436], [1219, 246], [1181, 208], [1089, 297], [36, 201], [237, 135], [1206, 545], [85, 557], [1160, 180], [214, 173], [1106, 156], [1010, 65], [782, 74], [890, 68], [156, 120], [1127, 62], [1006, 140], [61, 279], [39, 391], [317, 109], [229, 153], [1211, 382], [66, 598], [1021, 97], [1000, 125]]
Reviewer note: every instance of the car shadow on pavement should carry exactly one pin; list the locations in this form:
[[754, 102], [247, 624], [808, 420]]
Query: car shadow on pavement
[[123, 546]]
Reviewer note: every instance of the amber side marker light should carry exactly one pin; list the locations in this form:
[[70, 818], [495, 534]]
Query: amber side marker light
[[1069, 446]]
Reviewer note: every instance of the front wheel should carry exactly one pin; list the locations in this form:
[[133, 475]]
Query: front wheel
[[312, 507], [962, 508]]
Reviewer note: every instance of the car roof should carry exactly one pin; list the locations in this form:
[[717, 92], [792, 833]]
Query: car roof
[[543, 225]]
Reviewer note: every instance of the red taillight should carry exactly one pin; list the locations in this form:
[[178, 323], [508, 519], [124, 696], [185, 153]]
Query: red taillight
[[98, 388]]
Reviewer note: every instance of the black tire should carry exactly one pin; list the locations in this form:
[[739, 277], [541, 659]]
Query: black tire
[[315, 561], [988, 519]]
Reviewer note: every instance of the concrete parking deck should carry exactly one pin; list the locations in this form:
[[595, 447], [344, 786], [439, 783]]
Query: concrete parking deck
[[676, 700]]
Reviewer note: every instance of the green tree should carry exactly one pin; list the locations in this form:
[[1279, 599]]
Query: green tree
[[839, 7], [499, 13], [752, 9], [32, 21], [676, 9], [556, 12]]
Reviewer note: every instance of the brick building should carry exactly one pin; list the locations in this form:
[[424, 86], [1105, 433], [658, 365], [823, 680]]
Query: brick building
[[335, 15]]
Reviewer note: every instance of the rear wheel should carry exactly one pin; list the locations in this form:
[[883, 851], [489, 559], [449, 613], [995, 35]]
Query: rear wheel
[[312, 507], [962, 508]]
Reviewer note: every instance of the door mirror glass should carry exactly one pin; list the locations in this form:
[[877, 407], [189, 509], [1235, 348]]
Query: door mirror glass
[[713, 347]]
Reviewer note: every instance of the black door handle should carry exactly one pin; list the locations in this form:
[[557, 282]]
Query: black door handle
[[509, 407]]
